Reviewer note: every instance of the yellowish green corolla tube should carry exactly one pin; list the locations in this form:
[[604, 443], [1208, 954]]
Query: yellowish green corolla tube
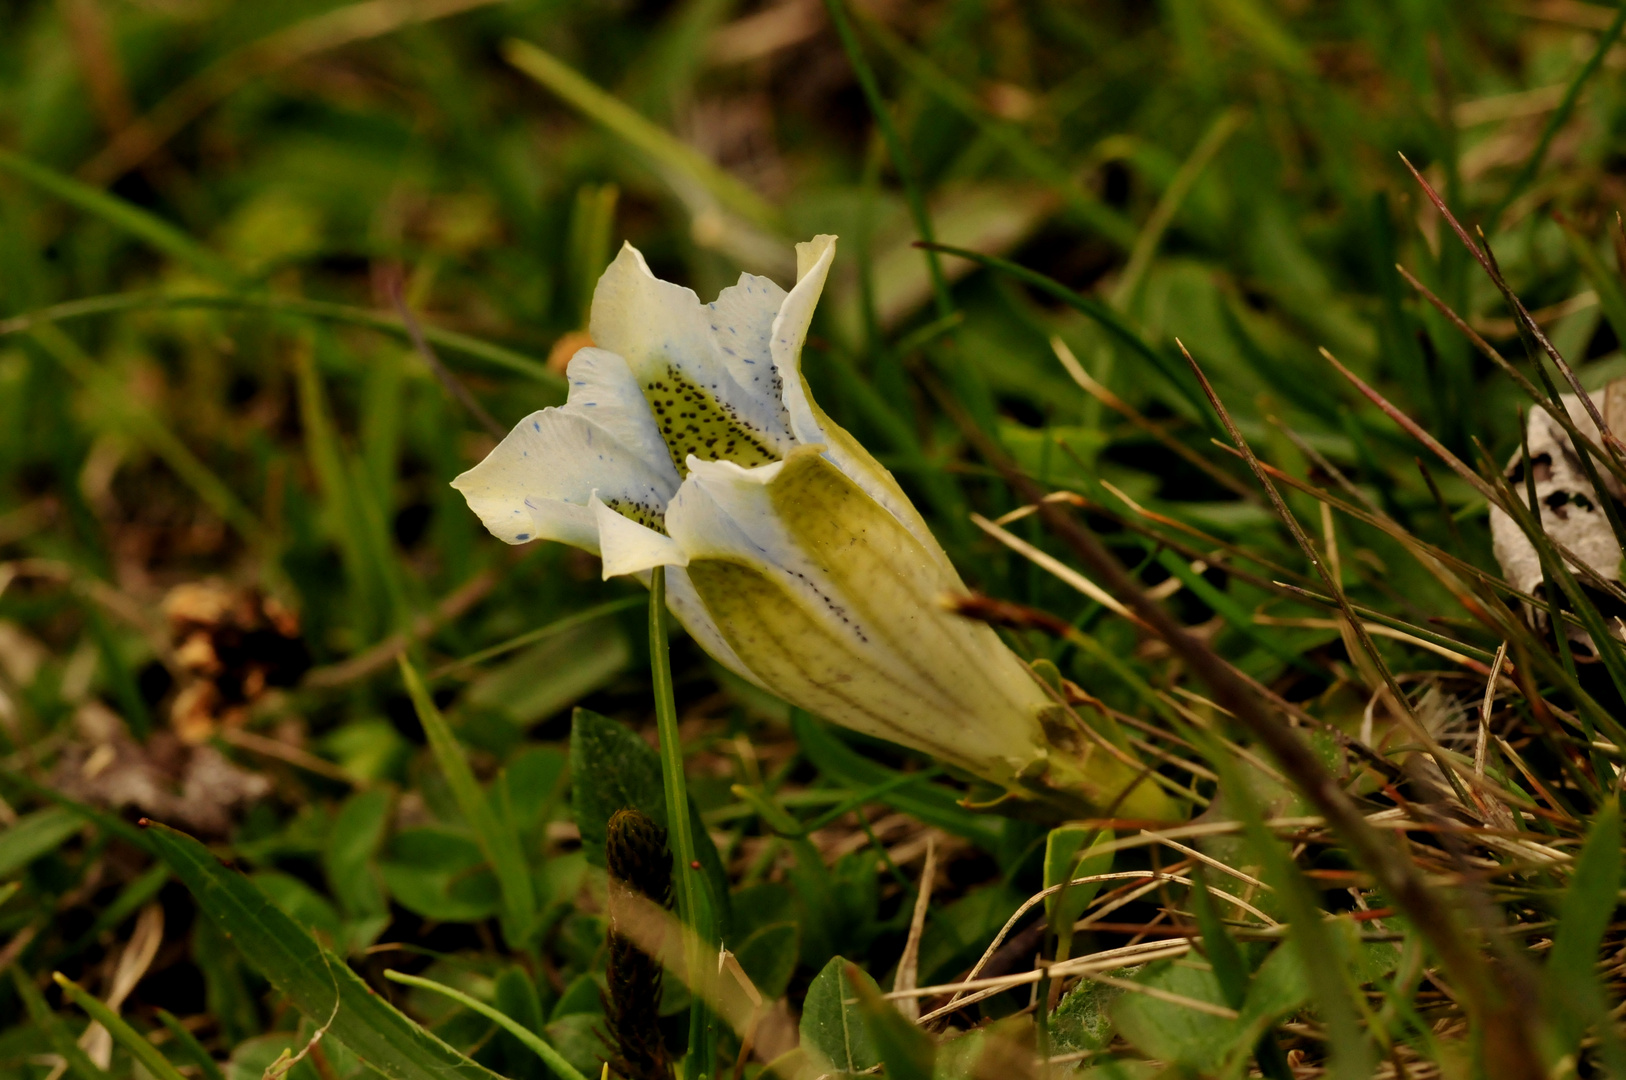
[[689, 440]]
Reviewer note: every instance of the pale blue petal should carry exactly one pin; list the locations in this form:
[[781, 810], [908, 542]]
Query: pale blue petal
[[603, 390], [628, 547], [656, 325], [537, 482]]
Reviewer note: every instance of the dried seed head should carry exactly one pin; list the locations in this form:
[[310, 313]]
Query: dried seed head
[[639, 861]]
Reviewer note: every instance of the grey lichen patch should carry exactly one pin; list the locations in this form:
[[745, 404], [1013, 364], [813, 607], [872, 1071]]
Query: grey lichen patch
[[692, 420], [648, 514]]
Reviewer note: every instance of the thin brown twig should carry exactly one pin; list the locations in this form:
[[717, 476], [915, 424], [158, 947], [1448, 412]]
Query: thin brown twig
[[454, 386], [1487, 261], [383, 654], [1396, 874], [1560, 415]]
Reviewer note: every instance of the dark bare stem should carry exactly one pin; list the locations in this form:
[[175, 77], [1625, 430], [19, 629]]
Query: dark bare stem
[[1395, 874], [1482, 253], [454, 386]]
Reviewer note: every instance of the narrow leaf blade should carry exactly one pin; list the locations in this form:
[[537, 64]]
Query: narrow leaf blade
[[320, 985]]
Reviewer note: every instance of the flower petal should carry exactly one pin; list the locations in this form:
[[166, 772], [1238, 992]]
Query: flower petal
[[537, 482], [789, 334], [628, 547], [741, 320], [683, 602], [603, 389], [837, 607], [809, 422], [662, 331]]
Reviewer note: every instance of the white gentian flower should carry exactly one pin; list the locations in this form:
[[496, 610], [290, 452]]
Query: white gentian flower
[[690, 441]]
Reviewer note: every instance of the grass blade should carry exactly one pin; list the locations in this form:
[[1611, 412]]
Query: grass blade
[[548, 1054], [126, 1036], [1560, 116], [190, 1046], [318, 984], [1109, 320], [500, 845], [142, 423], [451, 340], [1575, 995], [56, 1032], [122, 215], [1022, 150], [912, 191], [36, 834], [664, 148]]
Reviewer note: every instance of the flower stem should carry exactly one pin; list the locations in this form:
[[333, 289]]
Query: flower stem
[[693, 903]]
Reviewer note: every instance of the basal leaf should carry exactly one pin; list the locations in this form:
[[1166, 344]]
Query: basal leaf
[[1170, 1030], [907, 1052], [611, 769], [834, 1032]]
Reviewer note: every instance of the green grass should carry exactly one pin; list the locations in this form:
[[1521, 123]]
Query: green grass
[[206, 211]]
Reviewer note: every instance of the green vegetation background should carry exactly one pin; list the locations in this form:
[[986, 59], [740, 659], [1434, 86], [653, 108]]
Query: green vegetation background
[[240, 406]]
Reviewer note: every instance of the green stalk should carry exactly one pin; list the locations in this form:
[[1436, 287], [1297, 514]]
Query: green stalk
[[693, 903]]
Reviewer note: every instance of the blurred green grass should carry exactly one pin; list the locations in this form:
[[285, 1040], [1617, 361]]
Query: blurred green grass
[[1224, 172]]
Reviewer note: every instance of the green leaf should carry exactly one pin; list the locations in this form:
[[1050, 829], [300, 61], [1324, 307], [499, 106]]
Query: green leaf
[[348, 858], [1062, 863], [584, 994], [907, 1052], [1229, 967], [189, 1046], [501, 845], [1320, 947], [1280, 986], [932, 805], [548, 1054], [299, 902], [36, 834], [515, 994], [1575, 997], [1169, 1030], [833, 1031], [1082, 1020], [135, 1043], [56, 1032], [769, 956], [319, 984], [612, 769], [440, 874]]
